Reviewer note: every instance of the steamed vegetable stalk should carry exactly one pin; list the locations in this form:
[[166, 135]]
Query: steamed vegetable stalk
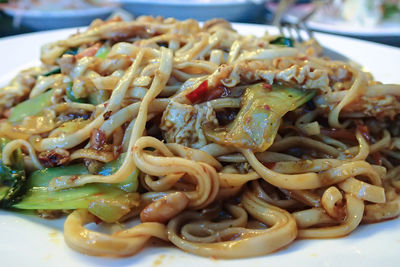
[[31, 106], [109, 202]]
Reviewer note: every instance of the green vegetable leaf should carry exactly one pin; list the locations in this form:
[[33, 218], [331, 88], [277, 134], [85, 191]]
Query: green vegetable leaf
[[70, 94], [99, 97], [71, 51], [3, 191], [283, 41], [53, 71], [41, 178], [15, 180], [12, 178], [31, 106], [109, 202], [131, 183], [258, 120], [102, 52]]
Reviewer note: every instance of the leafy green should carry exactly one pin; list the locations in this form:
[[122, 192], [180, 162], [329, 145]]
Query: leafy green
[[99, 97], [71, 51], [41, 178], [12, 178], [131, 183], [15, 180], [109, 202], [106, 202], [258, 120], [53, 71], [3, 191], [70, 94], [283, 41], [102, 52], [31, 106]]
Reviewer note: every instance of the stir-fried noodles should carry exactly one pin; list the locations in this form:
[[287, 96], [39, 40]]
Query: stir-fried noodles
[[225, 145]]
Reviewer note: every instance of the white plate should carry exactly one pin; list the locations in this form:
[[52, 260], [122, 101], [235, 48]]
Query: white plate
[[30, 241], [47, 20], [232, 10]]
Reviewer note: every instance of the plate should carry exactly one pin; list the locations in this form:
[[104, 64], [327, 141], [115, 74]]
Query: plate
[[27, 240], [232, 10], [387, 31], [47, 20]]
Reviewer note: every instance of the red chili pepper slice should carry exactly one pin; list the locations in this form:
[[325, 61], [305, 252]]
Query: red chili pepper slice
[[198, 93]]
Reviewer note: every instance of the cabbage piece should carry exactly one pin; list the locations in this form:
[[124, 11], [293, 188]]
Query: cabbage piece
[[258, 120]]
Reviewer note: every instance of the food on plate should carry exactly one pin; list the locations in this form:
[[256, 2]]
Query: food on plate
[[224, 145], [362, 12]]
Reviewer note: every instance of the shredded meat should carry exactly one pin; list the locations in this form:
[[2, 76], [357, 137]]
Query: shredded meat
[[296, 73], [386, 106], [53, 158], [67, 63], [305, 76], [97, 139], [183, 123]]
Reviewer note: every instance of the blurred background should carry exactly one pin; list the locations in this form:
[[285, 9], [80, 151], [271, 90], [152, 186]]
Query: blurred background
[[373, 20]]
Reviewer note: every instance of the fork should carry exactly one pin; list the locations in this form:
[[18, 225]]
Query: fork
[[299, 31], [295, 30]]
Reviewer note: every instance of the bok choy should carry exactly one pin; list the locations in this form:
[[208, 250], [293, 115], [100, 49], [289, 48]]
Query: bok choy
[[12, 178], [31, 106], [109, 202]]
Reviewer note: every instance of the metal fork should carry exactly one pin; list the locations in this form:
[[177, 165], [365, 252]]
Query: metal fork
[[296, 30], [299, 31]]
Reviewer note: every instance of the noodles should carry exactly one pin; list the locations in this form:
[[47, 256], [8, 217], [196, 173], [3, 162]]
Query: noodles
[[223, 145]]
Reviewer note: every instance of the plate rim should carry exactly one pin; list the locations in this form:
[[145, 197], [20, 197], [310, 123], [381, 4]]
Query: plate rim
[[82, 260]]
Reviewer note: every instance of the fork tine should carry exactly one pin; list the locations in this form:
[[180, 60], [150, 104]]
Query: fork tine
[[299, 31], [283, 29], [286, 29], [291, 30], [309, 32]]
